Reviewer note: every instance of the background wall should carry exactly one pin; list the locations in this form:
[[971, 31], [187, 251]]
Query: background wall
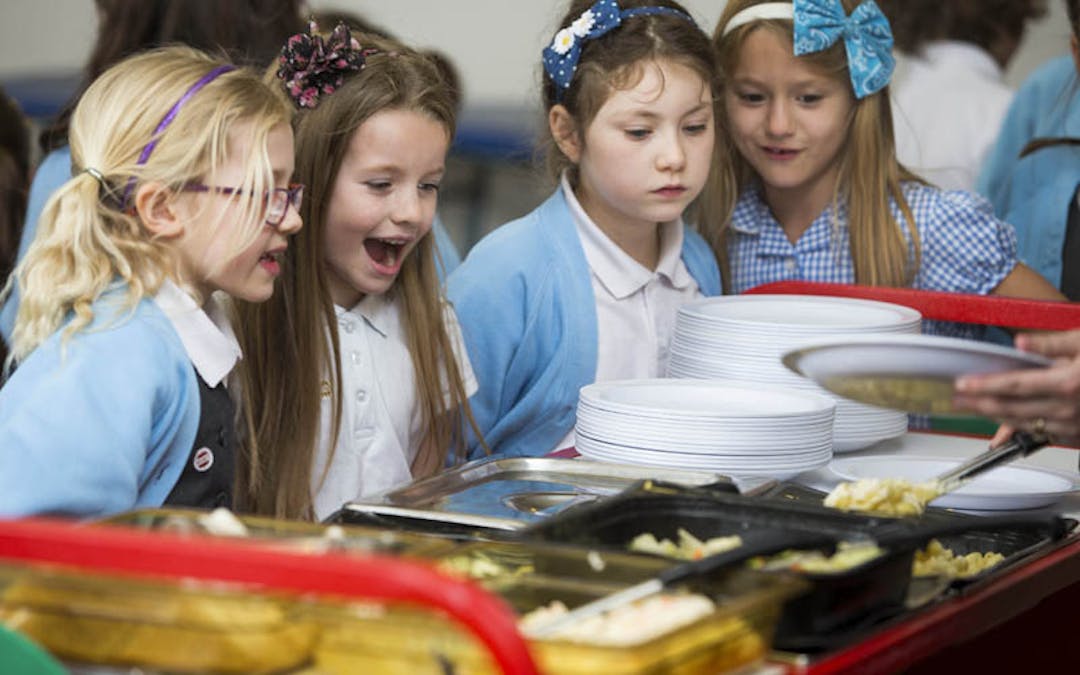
[[496, 46], [495, 43]]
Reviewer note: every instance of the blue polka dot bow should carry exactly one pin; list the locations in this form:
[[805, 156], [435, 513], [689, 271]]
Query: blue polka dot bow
[[867, 39], [561, 56]]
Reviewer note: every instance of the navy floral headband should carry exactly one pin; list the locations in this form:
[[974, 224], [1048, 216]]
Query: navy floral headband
[[561, 57], [819, 24], [312, 67]]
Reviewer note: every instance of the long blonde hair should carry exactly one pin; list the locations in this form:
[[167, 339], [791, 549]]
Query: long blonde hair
[[90, 239], [883, 252], [285, 343]]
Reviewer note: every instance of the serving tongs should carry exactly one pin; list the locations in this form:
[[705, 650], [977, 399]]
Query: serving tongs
[[1020, 444], [764, 543]]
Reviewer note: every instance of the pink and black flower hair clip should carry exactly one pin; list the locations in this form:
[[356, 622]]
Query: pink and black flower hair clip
[[311, 67]]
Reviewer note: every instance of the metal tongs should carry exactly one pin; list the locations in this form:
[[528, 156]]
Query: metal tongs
[[1020, 444]]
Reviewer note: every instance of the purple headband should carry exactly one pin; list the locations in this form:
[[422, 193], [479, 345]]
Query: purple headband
[[168, 119]]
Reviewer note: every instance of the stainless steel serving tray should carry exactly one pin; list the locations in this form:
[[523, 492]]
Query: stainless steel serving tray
[[509, 493]]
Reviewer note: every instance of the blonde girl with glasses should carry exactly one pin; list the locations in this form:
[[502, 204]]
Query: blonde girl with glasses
[[181, 189], [357, 374]]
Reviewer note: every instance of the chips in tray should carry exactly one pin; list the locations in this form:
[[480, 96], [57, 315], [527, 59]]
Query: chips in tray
[[164, 626]]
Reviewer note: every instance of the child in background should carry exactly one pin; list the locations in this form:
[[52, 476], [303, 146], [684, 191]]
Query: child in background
[[586, 287], [357, 374], [1033, 171], [806, 183], [181, 189], [950, 94]]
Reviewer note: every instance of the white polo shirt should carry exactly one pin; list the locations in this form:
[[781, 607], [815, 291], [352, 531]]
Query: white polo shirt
[[380, 419], [635, 306]]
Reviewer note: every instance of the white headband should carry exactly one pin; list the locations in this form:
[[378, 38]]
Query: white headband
[[766, 10]]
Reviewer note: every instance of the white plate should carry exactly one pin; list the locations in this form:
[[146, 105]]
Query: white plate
[[905, 372], [812, 313], [699, 398], [1006, 488]]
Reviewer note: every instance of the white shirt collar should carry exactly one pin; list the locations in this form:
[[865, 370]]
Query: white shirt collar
[[205, 332], [374, 310], [615, 268]]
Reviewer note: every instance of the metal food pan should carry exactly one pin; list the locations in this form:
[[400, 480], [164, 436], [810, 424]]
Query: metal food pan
[[532, 488]]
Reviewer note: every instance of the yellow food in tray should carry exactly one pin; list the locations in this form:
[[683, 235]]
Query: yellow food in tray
[[884, 496], [848, 555], [161, 626], [936, 559], [688, 547], [631, 624]]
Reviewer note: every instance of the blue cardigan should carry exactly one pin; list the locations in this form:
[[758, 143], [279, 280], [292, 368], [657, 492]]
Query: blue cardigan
[[1034, 193], [525, 302], [101, 423]]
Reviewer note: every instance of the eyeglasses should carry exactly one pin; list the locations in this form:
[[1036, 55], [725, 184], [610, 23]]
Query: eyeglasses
[[277, 199]]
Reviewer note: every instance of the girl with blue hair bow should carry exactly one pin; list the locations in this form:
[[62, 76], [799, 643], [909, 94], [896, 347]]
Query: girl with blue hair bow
[[806, 184]]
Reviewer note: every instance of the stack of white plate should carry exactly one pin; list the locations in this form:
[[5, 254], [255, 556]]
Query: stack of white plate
[[741, 338], [743, 430]]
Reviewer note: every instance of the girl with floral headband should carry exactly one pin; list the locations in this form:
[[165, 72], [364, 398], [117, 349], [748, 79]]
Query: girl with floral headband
[[586, 287], [180, 190], [357, 376], [806, 184]]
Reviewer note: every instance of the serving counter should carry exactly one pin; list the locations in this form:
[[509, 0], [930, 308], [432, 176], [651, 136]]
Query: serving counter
[[1018, 617]]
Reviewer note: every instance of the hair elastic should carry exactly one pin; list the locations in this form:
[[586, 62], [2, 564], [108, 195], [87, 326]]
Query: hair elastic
[[168, 119], [97, 176]]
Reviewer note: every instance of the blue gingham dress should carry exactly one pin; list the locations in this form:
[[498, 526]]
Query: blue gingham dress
[[965, 249]]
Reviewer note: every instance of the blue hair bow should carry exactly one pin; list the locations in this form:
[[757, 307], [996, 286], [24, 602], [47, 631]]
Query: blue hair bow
[[867, 39], [561, 56]]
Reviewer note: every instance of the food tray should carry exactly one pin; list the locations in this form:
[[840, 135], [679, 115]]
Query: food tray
[[119, 597], [839, 605], [736, 634], [520, 490], [288, 534], [102, 620]]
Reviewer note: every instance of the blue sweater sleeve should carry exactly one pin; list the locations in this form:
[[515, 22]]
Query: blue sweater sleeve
[[99, 424]]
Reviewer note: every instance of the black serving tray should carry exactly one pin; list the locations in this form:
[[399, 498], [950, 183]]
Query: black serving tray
[[839, 606]]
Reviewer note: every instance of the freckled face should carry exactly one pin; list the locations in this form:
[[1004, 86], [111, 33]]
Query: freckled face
[[647, 152], [788, 120], [383, 201]]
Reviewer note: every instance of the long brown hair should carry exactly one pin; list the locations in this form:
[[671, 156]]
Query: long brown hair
[[869, 173], [290, 342]]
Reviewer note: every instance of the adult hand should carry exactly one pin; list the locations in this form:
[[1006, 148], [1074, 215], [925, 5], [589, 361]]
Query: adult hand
[[1040, 400]]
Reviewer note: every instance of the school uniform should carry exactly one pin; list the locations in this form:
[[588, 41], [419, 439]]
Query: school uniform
[[963, 247], [130, 412], [531, 298], [381, 428], [1037, 193], [948, 103]]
